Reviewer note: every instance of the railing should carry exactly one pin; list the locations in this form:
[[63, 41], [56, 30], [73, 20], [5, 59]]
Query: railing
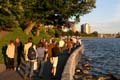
[[70, 66]]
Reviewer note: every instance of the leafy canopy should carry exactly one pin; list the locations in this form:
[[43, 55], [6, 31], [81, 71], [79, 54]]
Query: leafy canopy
[[55, 12]]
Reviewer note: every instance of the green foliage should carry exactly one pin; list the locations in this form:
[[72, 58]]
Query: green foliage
[[55, 12], [44, 34], [7, 21], [77, 33], [58, 32], [70, 33], [51, 31], [93, 34], [11, 11]]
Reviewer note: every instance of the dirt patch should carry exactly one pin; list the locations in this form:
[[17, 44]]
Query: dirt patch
[[3, 33]]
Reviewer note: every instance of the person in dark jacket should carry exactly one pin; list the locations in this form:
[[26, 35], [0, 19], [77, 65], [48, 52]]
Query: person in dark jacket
[[54, 58], [18, 53]]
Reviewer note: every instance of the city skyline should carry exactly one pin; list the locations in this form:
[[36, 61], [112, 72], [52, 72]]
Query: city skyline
[[104, 18]]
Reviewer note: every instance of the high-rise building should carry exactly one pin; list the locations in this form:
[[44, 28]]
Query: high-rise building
[[85, 28]]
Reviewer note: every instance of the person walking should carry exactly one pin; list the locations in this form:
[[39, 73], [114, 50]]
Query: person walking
[[50, 46], [41, 57], [61, 44], [29, 49], [10, 52], [74, 41], [18, 54], [69, 45], [54, 58]]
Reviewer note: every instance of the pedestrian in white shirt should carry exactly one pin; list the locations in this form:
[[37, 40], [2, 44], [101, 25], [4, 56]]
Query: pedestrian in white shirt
[[61, 44], [10, 52]]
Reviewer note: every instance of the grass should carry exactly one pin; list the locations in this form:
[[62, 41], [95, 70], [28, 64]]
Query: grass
[[18, 32]]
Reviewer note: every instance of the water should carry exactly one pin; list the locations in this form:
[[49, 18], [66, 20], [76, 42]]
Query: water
[[104, 55]]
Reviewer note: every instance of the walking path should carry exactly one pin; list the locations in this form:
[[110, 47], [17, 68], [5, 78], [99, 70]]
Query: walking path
[[3, 33], [10, 75], [13, 75]]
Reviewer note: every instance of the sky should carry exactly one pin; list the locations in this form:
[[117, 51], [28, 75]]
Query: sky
[[105, 18]]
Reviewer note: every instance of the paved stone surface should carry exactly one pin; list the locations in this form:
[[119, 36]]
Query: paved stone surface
[[12, 75], [2, 68]]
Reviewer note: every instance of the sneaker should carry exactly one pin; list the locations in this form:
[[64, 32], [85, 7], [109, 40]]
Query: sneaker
[[18, 68]]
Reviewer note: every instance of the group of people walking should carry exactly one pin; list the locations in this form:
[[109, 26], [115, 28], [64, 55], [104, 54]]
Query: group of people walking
[[14, 54], [36, 55]]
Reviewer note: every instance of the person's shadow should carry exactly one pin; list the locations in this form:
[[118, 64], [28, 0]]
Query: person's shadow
[[4, 48]]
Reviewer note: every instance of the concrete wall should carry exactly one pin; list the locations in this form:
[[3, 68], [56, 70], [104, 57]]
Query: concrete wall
[[70, 66]]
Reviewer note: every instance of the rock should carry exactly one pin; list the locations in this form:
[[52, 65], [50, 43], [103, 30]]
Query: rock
[[85, 71], [101, 78], [78, 71], [86, 65]]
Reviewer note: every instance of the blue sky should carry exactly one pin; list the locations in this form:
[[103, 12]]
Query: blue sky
[[105, 18]]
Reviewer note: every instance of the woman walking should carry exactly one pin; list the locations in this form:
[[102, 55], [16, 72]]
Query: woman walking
[[10, 54], [54, 59]]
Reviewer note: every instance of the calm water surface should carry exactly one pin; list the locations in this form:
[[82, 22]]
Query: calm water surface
[[103, 55]]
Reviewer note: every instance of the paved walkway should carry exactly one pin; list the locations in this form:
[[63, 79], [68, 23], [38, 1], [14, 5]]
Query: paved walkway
[[12, 75]]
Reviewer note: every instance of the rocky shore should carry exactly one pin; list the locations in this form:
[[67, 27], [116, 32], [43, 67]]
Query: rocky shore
[[82, 72]]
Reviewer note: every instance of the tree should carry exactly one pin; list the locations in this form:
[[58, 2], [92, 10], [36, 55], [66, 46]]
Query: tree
[[70, 33], [51, 31], [45, 12], [118, 35], [58, 32], [77, 33], [95, 33], [11, 11], [57, 12]]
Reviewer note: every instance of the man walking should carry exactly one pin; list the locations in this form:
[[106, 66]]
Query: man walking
[[30, 57]]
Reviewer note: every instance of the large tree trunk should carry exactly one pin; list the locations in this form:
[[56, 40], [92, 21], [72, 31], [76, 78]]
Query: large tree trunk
[[30, 26], [38, 29]]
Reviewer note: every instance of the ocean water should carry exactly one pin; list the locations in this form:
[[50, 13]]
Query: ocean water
[[103, 55]]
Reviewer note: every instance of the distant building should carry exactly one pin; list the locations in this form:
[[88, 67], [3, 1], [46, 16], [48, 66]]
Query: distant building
[[70, 26], [73, 26], [106, 35], [86, 28]]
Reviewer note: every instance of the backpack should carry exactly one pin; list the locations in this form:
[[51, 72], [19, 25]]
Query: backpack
[[31, 53]]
